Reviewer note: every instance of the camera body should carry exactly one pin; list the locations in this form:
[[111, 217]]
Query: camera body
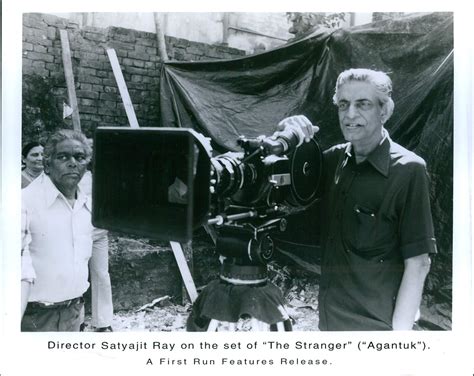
[[163, 183]]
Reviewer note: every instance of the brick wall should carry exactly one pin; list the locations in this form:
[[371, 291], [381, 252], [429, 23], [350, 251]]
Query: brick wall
[[99, 101]]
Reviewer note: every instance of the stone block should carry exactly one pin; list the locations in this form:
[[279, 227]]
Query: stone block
[[87, 94], [52, 32], [135, 70], [139, 55], [109, 82], [106, 111], [110, 89], [38, 64], [95, 36], [27, 46], [87, 109], [120, 46], [85, 86], [95, 64], [40, 56], [43, 41], [148, 42], [193, 50], [138, 63], [87, 102], [89, 79], [108, 104], [109, 97], [82, 70], [34, 21], [103, 74], [53, 67]]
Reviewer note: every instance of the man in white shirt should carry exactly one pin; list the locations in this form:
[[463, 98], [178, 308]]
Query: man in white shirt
[[57, 237]]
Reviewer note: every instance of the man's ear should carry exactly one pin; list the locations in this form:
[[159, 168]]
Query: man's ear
[[384, 113], [46, 166]]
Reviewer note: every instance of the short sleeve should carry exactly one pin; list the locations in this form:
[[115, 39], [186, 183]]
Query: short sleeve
[[416, 223], [27, 269]]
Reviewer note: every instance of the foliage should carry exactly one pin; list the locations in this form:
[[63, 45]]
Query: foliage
[[305, 23], [40, 114]]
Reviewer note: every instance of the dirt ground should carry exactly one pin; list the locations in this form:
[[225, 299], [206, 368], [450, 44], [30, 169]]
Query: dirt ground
[[165, 315]]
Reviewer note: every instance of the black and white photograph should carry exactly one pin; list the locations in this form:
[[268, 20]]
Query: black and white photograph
[[278, 181]]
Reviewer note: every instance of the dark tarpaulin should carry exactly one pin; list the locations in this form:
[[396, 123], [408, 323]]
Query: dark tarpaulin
[[250, 95]]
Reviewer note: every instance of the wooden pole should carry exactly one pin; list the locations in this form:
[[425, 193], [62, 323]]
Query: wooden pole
[[185, 271], [71, 90], [183, 257], [122, 86], [160, 37]]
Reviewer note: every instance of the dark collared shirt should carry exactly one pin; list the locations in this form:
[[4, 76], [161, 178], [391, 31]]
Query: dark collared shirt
[[378, 215]]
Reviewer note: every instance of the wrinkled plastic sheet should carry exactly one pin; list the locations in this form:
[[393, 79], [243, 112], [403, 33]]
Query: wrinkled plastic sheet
[[249, 96]]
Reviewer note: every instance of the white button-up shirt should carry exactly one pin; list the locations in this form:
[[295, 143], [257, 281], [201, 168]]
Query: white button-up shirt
[[57, 242]]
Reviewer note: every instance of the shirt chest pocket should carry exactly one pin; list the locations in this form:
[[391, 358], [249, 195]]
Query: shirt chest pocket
[[367, 232]]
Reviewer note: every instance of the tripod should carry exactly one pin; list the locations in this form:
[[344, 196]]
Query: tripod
[[242, 290]]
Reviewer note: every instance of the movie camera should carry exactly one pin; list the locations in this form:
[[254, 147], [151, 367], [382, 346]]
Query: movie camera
[[163, 183]]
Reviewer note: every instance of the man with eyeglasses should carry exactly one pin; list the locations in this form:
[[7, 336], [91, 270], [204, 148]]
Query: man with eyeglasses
[[377, 230], [57, 236]]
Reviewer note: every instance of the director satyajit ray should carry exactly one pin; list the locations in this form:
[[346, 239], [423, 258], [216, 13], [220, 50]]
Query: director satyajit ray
[[377, 229]]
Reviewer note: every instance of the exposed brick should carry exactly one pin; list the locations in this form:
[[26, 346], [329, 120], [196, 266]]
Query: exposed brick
[[137, 78], [126, 61], [120, 53], [138, 63], [87, 102], [52, 33], [109, 104], [86, 55], [121, 45], [103, 74], [103, 110], [52, 67], [87, 94], [89, 79], [27, 46], [37, 71], [40, 56], [110, 89], [109, 82], [127, 38], [39, 40], [109, 97], [98, 88], [39, 64], [96, 64], [87, 109], [87, 71], [85, 87], [150, 65], [146, 42], [98, 37], [139, 55], [54, 51], [34, 21]]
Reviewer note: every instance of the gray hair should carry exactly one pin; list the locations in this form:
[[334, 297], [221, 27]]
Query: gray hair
[[380, 80], [63, 135]]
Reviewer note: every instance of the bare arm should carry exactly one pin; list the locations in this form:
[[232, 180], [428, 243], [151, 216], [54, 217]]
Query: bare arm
[[411, 289], [25, 293]]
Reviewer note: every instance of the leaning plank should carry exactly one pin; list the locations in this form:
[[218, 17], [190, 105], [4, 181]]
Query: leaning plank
[[71, 90], [122, 86], [184, 269]]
